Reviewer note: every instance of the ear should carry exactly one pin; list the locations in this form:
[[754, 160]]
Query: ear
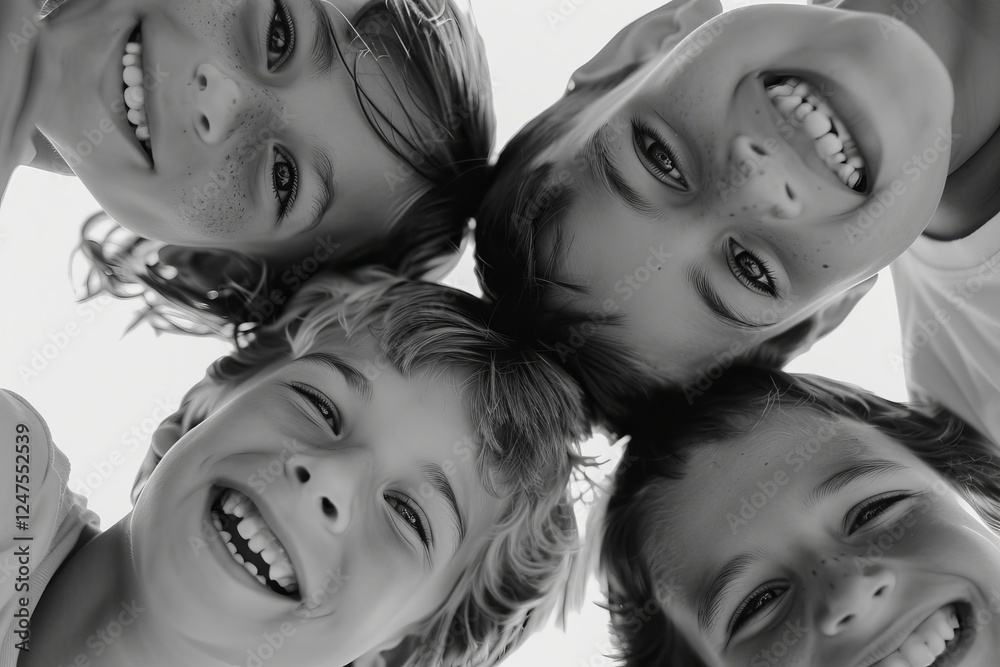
[[655, 33], [790, 344], [165, 436]]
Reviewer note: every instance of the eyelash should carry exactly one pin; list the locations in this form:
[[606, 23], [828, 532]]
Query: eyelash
[[289, 184], [884, 502], [741, 616], [327, 410], [736, 251], [402, 506], [280, 18], [672, 177]]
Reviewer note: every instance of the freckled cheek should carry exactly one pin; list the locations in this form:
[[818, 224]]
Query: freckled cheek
[[216, 203]]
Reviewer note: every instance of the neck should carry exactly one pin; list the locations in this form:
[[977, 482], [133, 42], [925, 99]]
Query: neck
[[93, 612]]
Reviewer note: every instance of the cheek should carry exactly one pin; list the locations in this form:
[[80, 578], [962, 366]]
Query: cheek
[[215, 202]]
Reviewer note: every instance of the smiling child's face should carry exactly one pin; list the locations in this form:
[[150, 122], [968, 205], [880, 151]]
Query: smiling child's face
[[704, 213], [258, 140], [360, 493], [826, 543]]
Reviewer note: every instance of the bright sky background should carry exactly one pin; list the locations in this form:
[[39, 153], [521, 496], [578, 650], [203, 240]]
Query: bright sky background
[[103, 392]]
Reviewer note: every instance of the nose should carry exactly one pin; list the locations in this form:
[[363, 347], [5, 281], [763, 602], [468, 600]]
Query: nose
[[757, 182], [217, 101], [330, 484], [854, 592]]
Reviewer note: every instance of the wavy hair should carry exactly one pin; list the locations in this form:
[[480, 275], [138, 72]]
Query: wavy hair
[[666, 431], [431, 52], [528, 417]]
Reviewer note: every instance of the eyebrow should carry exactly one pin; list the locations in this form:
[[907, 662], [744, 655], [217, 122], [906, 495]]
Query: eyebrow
[[710, 605], [598, 155], [437, 478], [356, 380], [323, 51], [697, 276], [865, 469]]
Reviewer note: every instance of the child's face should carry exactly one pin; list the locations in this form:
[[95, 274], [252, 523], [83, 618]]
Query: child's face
[[825, 543], [711, 217], [258, 141], [369, 485]]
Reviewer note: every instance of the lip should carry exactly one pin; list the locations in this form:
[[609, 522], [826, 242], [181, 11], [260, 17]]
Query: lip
[[276, 527], [803, 145], [114, 103], [854, 116], [880, 649]]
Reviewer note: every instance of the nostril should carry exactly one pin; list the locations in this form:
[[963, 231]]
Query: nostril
[[847, 619], [302, 474], [202, 82], [788, 191], [205, 124], [757, 149], [329, 509], [880, 591]]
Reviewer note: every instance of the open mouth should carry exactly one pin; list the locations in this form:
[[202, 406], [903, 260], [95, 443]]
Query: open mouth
[[940, 641], [252, 543], [134, 91], [802, 106]]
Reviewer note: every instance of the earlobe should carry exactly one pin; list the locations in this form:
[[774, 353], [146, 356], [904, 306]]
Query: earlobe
[[655, 33]]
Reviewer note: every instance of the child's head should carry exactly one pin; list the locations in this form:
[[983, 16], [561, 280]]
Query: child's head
[[794, 518], [294, 133], [669, 205], [412, 464]]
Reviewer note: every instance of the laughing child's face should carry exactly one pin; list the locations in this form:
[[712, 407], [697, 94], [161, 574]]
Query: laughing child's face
[[338, 504], [255, 138], [830, 544], [706, 211]]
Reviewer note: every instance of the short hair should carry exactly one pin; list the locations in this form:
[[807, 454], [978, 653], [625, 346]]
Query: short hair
[[527, 415], [666, 431], [431, 52], [527, 200]]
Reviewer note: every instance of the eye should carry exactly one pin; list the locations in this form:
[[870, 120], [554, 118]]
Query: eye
[[284, 181], [657, 156], [750, 269], [412, 516], [869, 510], [324, 406], [280, 38], [756, 603]]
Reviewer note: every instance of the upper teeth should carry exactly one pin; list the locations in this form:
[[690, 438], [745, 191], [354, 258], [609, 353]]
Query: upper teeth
[[135, 94], [927, 642], [259, 544], [802, 106]]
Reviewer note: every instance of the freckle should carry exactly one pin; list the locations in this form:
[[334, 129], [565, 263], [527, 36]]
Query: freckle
[[814, 573], [826, 266], [832, 587]]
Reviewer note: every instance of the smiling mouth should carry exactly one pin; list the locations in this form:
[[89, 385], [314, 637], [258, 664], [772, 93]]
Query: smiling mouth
[[802, 106], [939, 641], [252, 543], [134, 91]]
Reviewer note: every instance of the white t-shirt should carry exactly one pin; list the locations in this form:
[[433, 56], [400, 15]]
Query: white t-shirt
[[948, 293], [56, 517]]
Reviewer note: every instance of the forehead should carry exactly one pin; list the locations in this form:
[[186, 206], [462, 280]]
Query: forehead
[[764, 484]]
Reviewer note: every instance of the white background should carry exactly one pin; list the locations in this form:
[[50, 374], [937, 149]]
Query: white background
[[103, 392]]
